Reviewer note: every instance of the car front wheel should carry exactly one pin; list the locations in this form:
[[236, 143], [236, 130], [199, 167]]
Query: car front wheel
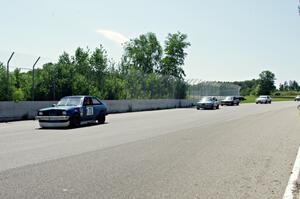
[[75, 121]]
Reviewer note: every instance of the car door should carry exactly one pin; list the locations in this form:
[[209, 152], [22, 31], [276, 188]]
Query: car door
[[88, 109], [236, 100], [98, 107], [216, 102]]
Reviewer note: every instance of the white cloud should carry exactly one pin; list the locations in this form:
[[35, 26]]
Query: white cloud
[[114, 36]]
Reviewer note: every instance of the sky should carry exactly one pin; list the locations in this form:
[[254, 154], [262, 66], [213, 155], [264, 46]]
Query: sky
[[230, 39]]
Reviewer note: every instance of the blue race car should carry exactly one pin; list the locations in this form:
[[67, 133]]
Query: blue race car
[[73, 111]]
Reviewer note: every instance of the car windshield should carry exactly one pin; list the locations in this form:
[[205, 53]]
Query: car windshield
[[206, 99], [69, 101], [229, 98]]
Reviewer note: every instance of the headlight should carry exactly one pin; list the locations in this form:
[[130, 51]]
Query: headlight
[[40, 113], [64, 113]]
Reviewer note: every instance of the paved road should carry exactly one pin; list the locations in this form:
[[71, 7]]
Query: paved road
[[234, 152]]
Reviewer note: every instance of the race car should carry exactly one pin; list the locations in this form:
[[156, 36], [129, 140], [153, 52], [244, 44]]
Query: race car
[[208, 103], [263, 99], [230, 101], [73, 111]]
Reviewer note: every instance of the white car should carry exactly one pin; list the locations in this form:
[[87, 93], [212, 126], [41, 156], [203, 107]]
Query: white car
[[297, 98], [264, 99]]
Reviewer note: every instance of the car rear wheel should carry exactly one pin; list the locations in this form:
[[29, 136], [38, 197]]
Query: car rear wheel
[[198, 108], [101, 119]]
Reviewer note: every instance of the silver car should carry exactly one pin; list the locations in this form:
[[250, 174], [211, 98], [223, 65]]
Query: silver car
[[264, 99], [208, 103]]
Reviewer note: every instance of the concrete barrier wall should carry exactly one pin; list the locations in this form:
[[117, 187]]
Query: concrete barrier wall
[[118, 106], [10, 111]]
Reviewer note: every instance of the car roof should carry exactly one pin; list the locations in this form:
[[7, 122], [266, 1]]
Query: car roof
[[80, 96]]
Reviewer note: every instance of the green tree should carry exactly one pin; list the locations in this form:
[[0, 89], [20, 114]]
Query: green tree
[[175, 54], [64, 74], [293, 85], [281, 87], [115, 86], [247, 87], [3, 83], [18, 95], [143, 53], [99, 65], [266, 83], [81, 61]]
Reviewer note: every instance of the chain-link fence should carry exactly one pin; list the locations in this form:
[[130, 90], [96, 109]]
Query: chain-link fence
[[199, 88], [54, 81], [17, 79]]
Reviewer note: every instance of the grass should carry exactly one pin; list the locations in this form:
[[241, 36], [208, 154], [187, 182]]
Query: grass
[[251, 99]]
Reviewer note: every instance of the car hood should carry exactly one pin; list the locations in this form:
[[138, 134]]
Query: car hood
[[65, 108]]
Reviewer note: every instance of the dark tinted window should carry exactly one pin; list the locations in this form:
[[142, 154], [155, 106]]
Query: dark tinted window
[[87, 101]]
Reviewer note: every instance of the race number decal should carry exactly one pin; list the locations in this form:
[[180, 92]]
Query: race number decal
[[89, 111]]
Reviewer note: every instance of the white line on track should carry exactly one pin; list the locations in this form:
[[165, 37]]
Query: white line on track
[[293, 188]]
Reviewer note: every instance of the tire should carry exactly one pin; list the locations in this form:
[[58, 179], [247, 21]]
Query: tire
[[198, 108], [75, 121], [101, 119], [218, 107]]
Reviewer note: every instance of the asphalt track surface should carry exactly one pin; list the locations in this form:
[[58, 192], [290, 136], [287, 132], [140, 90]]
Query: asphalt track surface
[[235, 152]]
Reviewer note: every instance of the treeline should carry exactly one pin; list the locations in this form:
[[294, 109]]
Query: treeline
[[291, 85], [146, 71], [265, 85]]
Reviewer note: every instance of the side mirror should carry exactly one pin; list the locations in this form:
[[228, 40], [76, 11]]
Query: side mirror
[[53, 105]]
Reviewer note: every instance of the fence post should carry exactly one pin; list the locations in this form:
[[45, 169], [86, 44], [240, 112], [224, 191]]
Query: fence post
[[33, 80], [7, 74]]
